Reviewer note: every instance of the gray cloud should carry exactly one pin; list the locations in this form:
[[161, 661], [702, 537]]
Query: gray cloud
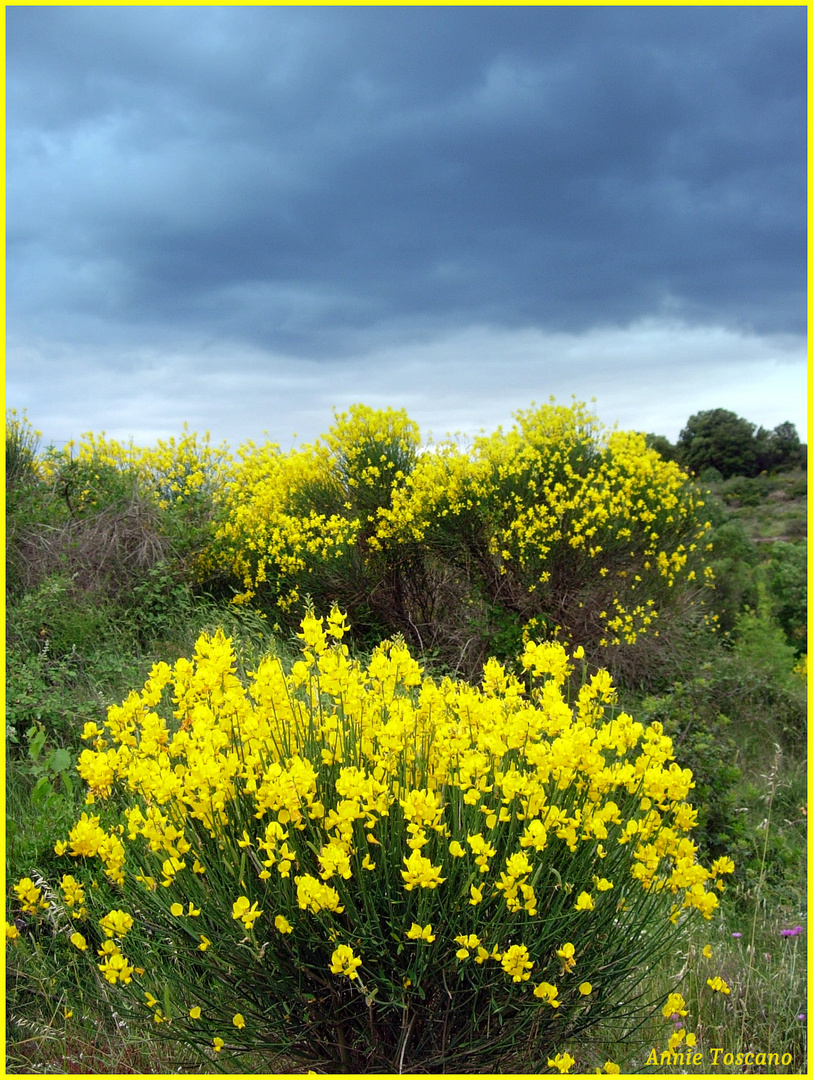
[[327, 184], [549, 165]]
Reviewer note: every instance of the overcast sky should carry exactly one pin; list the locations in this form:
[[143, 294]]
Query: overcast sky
[[245, 217]]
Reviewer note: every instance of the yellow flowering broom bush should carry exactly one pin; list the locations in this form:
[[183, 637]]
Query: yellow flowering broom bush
[[301, 523], [554, 527], [369, 870]]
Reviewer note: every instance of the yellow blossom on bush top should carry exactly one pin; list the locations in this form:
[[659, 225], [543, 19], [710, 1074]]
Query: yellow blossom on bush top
[[556, 497]]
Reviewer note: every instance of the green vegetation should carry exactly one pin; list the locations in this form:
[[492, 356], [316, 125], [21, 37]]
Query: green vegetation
[[720, 440], [113, 567]]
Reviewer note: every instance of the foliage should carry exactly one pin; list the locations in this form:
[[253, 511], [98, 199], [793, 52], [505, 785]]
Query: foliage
[[787, 584], [22, 443], [719, 439], [734, 560], [742, 707], [360, 867]]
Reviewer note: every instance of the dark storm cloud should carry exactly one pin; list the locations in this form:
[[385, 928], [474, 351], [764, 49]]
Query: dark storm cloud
[[319, 179]]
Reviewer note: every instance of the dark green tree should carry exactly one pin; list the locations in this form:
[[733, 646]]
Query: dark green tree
[[780, 448], [720, 439]]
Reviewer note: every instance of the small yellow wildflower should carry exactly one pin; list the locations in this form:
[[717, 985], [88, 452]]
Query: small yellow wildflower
[[194, 1012], [420, 872], [675, 1006], [548, 993], [239, 1021], [516, 963], [562, 1062], [247, 912], [420, 933], [343, 962], [567, 954]]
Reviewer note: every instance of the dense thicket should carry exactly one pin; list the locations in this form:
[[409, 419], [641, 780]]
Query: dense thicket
[[719, 439]]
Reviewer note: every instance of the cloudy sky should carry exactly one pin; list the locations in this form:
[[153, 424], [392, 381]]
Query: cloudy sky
[[245, 217]]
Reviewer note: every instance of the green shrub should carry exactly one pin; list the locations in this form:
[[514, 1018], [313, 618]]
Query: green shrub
[[786, 575]]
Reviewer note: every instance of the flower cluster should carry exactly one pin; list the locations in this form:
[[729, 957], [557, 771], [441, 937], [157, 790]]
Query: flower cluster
[[556, 499], [367, 827]]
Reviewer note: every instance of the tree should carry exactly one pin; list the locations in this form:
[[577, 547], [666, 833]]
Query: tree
[[780, 447], [720, 439]]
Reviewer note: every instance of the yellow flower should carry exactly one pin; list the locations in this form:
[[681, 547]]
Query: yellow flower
[[562, 1062], [239, 1021], [723, 865], [456, 849], [676, 1038], [313, 895], [420, 933], [77, 940], [420, 872], [584, 902], [567, 954], [585, 988], [516, 963], [707, 952], [177, 909], [29, 895], [548, 993], [282, 924], [195, 1012], [476, 895], [247, 912], [218, 1044], [718, 984], [204, 943], [116, 924], [675, 1006], [611, 1067], [12, 932], [343, 962]]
